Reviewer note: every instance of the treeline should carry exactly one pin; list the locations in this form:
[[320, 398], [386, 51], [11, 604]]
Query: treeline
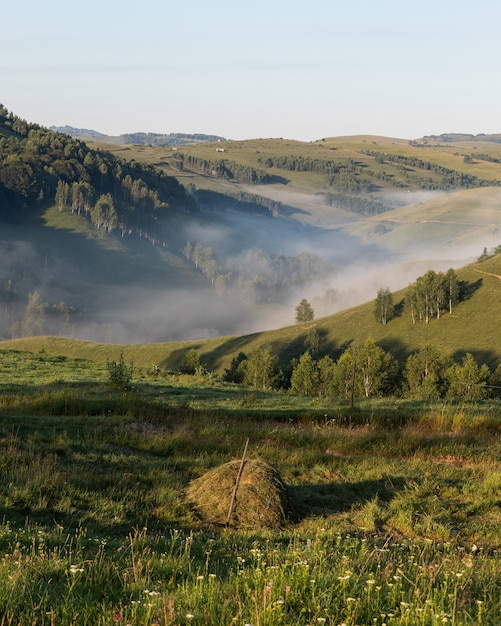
[[429, 296], [256, 277], [240, 201], [364, 371], [170, 139], [344, 176], [223, 168], [36, 164], [446, 178], [22, 316], [432, 294], [362, 205]]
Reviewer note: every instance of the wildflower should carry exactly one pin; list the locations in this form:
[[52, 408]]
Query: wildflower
[[371, 581], [118, 617], [287, 589], [189, 616], [474, 548]]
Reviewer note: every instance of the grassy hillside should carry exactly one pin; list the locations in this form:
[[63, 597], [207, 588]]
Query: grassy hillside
[[473, 327], [409, 190]]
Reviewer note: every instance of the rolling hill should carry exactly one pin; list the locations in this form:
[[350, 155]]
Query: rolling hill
[[473, 327], [247, 228]]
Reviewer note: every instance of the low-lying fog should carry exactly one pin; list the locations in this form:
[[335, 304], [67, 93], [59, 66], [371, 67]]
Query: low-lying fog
[[363, 255]]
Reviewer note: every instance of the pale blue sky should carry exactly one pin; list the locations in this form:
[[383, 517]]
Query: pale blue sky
[[277, 68]]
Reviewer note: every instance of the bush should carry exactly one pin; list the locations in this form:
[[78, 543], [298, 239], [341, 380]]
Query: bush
[[120, 374]]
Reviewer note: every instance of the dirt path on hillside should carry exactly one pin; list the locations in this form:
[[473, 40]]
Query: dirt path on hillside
[[488, 273]]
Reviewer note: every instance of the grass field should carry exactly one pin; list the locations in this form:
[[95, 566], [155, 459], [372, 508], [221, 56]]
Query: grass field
[[396, 504]]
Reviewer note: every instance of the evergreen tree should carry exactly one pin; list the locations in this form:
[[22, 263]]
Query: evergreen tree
[[235, 373], [304, 312]]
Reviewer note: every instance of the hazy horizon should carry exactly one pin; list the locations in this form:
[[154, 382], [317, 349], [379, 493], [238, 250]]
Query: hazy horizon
[[254, 70]]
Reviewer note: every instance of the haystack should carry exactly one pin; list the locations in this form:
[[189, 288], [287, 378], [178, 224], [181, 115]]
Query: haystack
[[261, 500]]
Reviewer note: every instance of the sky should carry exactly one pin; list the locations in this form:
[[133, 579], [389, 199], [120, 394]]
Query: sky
[[254, 69]]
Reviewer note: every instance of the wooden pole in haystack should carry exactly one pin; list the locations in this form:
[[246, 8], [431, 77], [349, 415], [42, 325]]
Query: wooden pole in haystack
[[237, 481]]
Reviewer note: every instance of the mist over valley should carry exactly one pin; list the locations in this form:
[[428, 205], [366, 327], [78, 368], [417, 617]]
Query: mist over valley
[[151, 243]]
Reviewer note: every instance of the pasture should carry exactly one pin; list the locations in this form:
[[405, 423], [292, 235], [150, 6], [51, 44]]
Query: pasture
[[395, 504]]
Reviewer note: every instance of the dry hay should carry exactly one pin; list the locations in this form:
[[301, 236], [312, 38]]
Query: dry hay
[[262, 500]]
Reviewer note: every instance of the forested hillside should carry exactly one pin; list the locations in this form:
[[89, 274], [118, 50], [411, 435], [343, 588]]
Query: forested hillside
[[89, 239], [38, 165], [123, 243]]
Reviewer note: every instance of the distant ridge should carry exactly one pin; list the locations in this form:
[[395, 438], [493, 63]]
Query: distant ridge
[[139, 138], [453, 137], [77, 132]]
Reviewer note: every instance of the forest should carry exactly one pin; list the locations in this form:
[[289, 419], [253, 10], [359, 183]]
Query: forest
[[38, 165]]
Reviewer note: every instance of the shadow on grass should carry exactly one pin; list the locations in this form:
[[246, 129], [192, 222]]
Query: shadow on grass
[[340, 497]]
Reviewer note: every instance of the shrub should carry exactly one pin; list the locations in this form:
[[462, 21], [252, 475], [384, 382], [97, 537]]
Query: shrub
[[120, 374]]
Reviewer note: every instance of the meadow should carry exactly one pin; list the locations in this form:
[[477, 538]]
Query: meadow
[[395, 504]]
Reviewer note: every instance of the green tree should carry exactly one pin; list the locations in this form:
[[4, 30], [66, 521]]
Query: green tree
[[305, 376], [260, 369], [452, 288], [235, 373], [424, 374], [326, 373], [343, 375], [304, 312], [425, 294], [103, 214], [34, 316], [376, 370], [191, 362], [62, 195], [312, 342], [384, 309], [411, 302], [467, 381]]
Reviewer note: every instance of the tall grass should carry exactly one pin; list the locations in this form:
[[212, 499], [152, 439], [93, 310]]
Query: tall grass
[[314, 577], [396, 506]]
